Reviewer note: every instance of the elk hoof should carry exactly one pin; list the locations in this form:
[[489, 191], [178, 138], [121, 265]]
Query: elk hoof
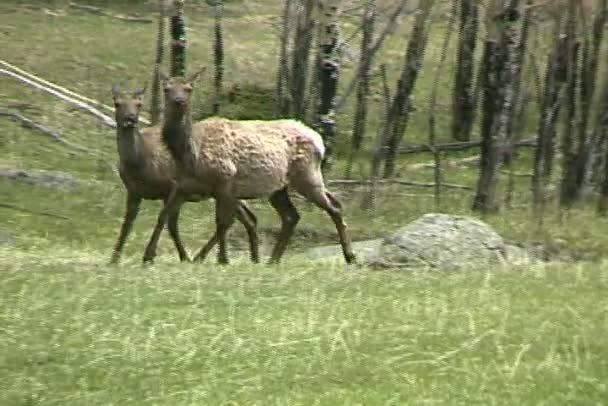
[[148, 259], [350, 258]]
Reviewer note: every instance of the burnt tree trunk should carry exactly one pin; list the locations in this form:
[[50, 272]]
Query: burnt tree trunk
[[178, 40], [301, 57], [402, 102], [568, 186], [283, 74], [218, 57], [500, 62], [515, 114], [555, 79], [363, 83], [437, 174], [329, 73], [591, 57], [155, 101], [464, 101], [602, 135], [492, 61]]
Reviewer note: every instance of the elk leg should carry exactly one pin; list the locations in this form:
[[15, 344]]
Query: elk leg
[[225, 211], [133, 205], [328, 202], [289, 219], [250, 221], [172, 225], [174, 201]]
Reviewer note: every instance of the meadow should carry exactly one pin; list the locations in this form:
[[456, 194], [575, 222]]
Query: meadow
[[75, 330]]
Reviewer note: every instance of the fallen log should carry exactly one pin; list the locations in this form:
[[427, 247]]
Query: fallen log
[[457, 146], [348, 182], [38, 213], [61, 89], [105, 119], [54, 135], [100, 11]]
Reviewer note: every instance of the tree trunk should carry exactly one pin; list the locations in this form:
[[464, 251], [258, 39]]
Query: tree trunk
[[218, 55], [500, 68], [178, 40], [464, 100], [602, 135], [283, 74], [363, 83], [155, 101], [489, 163], [402, 102], [591, 57], [568, 186], [329, 73], [300, 59], [555, 79]]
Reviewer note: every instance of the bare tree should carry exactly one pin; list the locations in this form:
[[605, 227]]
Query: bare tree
[[363, 84], [328, 71], [283, 73], [464, 101], [499, 63], [568, 185], [178, 39], [155, 102], [402, 101], [555, 79], [301, 56], [218, 53]]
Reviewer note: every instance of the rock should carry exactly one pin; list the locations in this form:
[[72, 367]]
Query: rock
[[442, 241], [6, 239], [47, 179]]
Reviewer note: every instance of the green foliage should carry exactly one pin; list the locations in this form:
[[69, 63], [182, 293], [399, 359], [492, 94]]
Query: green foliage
[[246, 102]]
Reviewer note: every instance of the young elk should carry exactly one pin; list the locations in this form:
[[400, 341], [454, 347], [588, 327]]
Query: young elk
[[233, 160], [147, 170]]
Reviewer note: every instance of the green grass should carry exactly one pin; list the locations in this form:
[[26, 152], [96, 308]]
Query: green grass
[[75, 331]]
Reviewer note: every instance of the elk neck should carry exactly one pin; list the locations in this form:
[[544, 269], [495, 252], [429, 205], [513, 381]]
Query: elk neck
[[130, 148], [177, 133]]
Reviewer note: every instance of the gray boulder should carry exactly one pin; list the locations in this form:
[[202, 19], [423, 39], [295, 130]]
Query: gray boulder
[[435, 241], [442, 241]]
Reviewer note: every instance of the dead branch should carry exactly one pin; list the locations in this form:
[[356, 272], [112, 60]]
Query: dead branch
[[349, 182], [61, 89], [99, 11], [389, 28], [54, 135], [106, 120], [38, 213], [458, 146]]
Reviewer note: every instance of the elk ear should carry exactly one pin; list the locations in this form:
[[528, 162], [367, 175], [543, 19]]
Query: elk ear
[[163, 76], [115, 91], [196, 75], [140, 93]]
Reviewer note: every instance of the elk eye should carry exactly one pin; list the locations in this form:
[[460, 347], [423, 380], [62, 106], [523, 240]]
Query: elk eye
[[188, 89]]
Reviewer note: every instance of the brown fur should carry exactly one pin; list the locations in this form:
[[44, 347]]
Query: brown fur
[[233, 160], [148, 170]]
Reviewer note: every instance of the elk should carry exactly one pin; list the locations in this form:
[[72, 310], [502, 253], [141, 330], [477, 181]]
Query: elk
[[147, 170], [232, 160]]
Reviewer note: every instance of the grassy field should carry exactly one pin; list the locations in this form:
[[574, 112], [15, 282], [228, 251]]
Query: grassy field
[[75, 331]]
